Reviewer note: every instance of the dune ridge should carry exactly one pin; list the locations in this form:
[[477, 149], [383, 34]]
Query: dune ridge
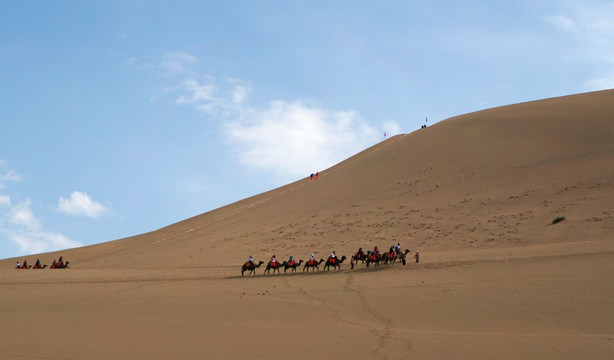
[[476, 194]]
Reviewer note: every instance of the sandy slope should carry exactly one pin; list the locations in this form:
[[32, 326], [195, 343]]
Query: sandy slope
[[476, 194]]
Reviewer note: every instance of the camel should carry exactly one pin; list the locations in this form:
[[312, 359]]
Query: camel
[[389, 257], [336, 263], [59, 265], [312, 264], [39, 266], [275, 267], [374, 258], [401, 256], [360, 256], [292, 265], [251, 267]]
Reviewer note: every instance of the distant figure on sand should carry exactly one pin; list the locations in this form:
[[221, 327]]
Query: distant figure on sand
[[273, 261], [311, 176], [417, 256]]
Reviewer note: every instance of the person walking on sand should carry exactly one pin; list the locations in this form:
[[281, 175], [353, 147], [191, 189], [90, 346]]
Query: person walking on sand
[[417, 256]]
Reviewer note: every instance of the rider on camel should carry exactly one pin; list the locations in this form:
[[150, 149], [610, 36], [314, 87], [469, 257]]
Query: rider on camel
[[273, 261], [250, 260], [375, 254], [311, 259], [291, 261], [360, 254], [333, 258], [398, 248]]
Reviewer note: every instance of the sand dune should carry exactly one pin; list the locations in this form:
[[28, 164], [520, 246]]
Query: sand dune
[[476, 194]]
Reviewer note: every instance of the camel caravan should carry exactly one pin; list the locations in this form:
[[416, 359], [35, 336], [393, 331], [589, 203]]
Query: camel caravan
[[374, 257], [59, 264]]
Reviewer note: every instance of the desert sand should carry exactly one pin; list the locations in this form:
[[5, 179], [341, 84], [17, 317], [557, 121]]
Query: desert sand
[[475, 194]]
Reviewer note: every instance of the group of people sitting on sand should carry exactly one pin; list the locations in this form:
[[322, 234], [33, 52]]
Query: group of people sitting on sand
[[59, 264]]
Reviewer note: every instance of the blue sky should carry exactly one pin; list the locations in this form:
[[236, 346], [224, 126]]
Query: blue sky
[[121, 117]]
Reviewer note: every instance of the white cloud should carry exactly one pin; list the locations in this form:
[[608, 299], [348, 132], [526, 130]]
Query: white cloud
[[239, 92], [8, 175], [201, 96], [590, 25], [176, 62], [563, 22], [22, 215], [284, 138], [290, 139], [392, 128], [32, 242], [80, 204], [19, 224], [5, 200], [606, 82]]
